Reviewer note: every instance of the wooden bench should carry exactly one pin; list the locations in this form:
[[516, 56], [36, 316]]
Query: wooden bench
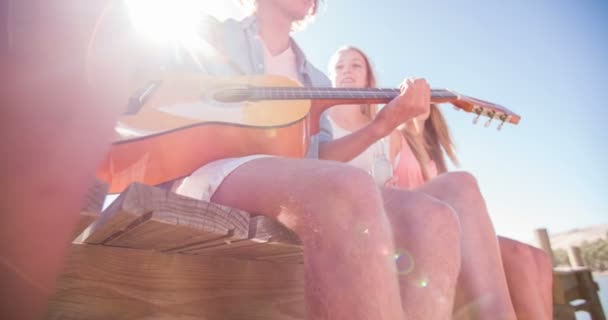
[[153, 254]]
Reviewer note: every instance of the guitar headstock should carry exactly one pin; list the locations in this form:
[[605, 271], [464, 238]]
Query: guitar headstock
[[484, 108]]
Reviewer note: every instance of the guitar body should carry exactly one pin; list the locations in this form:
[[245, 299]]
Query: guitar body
[[180, 129], [185, 120]]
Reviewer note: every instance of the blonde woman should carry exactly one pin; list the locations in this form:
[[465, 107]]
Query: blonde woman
[[417, 154]]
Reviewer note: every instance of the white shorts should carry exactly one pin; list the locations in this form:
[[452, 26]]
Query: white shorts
[[203, 183]]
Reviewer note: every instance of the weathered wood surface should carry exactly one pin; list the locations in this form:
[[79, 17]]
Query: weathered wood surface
[[92, 205], [575, 257], [572, 284], [149, 218], [153, 254], [577, 284], [102, 282]]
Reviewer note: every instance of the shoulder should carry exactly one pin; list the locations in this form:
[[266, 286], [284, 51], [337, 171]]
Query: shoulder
[[214, 30], [317, 77], [225, 32]]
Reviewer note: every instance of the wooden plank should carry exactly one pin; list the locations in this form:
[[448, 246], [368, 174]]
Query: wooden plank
[[294, 257], [247, 250], [270, 230], [563, 312], [267, 239], [588, 289], [146, 217], [567, 279], [91, 208], [101, 282], [282, 246], [220, 247], [576, 284], [575, 257]]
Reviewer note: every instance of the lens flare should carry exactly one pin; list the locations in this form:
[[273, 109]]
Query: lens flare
[[423, 283], [404, 261]]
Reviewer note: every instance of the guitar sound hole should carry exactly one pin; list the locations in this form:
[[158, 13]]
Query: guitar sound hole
[[231, 96]]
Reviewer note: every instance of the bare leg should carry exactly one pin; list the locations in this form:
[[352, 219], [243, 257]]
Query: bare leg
[[337, 212], [527, 270], [482, 291], [427, 240]]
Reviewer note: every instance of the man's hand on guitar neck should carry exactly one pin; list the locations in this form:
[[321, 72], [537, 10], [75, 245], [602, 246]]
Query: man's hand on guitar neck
[[414, 100]]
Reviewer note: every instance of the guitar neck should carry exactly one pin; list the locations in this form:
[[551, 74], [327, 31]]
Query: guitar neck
[[323, 98], [341, 95]]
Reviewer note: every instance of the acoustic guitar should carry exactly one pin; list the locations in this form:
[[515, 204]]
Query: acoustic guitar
[[175, 125]]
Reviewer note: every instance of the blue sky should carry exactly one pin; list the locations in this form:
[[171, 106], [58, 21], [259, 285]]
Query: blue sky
[[546, 60]]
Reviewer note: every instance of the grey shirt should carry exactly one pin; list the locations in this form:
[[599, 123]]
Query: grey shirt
[[232, 48]]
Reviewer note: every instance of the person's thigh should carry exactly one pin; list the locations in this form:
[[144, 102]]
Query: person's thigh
[[300, 192]]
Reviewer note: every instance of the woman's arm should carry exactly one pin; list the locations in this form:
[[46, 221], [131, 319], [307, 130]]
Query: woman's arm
[[414, 100], [350, 146]]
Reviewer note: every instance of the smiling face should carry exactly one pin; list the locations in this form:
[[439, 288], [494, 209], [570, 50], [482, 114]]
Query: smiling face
[[350, 70]]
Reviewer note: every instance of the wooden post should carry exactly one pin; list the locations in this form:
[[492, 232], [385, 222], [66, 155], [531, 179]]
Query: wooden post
[[542, 237], [575, 257]]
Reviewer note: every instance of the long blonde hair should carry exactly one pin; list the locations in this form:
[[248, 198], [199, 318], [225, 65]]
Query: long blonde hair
[[368, 110], [435, 144]]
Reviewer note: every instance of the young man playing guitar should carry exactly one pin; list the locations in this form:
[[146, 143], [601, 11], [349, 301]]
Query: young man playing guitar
[[339, 213]]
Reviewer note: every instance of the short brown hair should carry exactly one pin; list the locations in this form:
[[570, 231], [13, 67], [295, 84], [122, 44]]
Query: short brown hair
[[298, 25]]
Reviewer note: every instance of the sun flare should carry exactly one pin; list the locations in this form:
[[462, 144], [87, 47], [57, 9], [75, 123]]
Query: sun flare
[[176, 21]]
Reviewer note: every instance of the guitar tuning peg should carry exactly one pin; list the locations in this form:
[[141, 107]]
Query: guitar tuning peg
[[500, 125], [476, 119], [491, 116], [487, 124], [478, 111], [502, 117]]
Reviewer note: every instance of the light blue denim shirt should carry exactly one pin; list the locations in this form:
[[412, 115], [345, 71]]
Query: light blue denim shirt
[[232, 48]]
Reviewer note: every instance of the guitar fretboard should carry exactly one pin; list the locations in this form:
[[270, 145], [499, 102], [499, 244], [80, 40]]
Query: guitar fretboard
[[289, 93]]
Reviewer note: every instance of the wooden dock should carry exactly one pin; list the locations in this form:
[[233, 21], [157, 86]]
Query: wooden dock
[[153, 254], [573, 288], [156, 255]]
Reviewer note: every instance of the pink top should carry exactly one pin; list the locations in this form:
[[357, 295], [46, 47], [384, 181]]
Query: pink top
[[408, 170]]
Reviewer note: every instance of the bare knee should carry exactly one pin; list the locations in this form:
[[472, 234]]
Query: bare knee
[[428, 229], [341, 186], [512, 249], [341, 197], [543, 263], [463, 181], [459, 189], [515, 253], [437, 217], [429, 219]]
